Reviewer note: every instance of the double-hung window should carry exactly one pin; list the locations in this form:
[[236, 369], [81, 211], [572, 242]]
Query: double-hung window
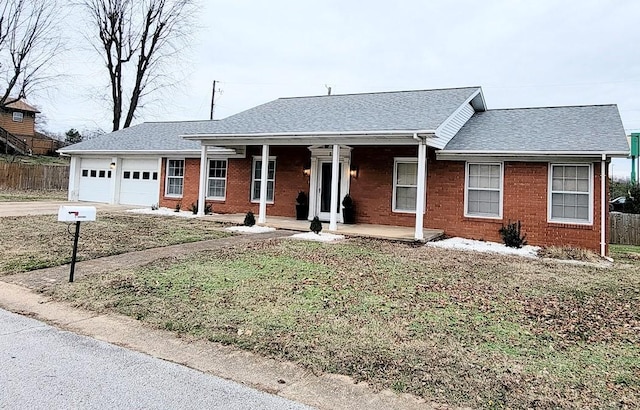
[[483, 197], [217, 179], [405, 184], [256, 179], [175, 177], [17, 116], [571, 193]]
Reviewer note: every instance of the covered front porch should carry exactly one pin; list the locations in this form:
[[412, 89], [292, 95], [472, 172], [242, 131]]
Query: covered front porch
[[396, 233]]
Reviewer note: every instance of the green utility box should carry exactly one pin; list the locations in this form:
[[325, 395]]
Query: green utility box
[[635, 146]]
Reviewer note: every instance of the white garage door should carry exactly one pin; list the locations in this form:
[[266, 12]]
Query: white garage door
[[139, 184], [95, 180]]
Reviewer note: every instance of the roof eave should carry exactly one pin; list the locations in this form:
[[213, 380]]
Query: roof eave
[[489, 153], [128, 152], [386, 137]]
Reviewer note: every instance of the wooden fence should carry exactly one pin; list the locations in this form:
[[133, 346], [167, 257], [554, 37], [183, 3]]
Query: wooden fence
[[14, 175], [624, 228]]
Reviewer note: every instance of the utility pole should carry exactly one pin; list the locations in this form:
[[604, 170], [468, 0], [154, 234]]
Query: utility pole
[[213, 97]]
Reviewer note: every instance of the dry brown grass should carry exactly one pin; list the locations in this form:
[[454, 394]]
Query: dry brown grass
[[461, 328], [569, 253], [14, 195], [34, 242]]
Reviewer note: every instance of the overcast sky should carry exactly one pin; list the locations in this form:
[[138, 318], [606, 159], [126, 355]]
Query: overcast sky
[[522, 53]]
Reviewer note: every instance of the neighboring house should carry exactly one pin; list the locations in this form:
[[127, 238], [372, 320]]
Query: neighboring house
[[423, 159], [17, 131]]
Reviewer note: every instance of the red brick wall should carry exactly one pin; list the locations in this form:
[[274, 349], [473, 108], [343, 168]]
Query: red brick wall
[[525, 199], [525, 194], [289, 181]]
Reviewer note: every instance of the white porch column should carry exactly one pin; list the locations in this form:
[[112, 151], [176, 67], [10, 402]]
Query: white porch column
[[264, 174], [335, 177], [420, 194], [202, 189]]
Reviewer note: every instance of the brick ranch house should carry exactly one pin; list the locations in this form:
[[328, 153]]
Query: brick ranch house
[[423, 159]]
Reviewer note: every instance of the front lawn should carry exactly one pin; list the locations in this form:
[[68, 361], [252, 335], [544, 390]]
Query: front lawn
[[454, 327], [35, 242]]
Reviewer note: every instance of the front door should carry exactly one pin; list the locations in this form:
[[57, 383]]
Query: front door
[[324, 190]]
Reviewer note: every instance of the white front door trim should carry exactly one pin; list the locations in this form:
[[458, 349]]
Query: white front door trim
[[320, 155]]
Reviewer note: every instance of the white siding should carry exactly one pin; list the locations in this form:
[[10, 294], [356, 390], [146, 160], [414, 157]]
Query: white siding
[[452, 125]]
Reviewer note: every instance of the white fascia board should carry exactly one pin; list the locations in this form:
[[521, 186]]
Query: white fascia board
[[308, 134], [344, 138], [141, 152], [459, 155]]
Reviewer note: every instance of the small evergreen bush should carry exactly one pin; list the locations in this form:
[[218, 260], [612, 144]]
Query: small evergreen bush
[[194, 207], [207, 209], [154, 207], [511, 235], [249, 219], [316, 225], [177, 209]]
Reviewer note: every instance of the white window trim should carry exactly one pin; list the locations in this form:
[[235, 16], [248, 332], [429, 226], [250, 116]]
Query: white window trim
[[167, 176], [466, 191], [396, 161], [17, 116], [209, 177], [550, 195], [253, 164]]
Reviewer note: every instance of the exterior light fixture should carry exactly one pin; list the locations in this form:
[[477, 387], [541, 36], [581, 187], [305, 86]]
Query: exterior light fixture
[[354, 171], [112, 165]]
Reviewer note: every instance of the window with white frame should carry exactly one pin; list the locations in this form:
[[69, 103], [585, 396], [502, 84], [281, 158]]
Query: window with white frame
[[18, 116], [175, 177], [256, 179], [483, 190], [217, 179], [570, 193], [405, 184]]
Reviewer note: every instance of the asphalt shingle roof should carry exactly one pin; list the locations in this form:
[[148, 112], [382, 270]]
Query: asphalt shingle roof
[[386, 111], [577, 128], [148, 136]]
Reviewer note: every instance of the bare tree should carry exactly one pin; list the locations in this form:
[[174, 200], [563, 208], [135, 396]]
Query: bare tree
[[137, 39], [29, 43]]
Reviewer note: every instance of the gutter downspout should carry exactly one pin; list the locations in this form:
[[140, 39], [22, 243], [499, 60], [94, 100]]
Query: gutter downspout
[[603, 204]]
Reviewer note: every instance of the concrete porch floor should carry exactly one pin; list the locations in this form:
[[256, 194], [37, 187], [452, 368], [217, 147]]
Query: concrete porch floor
[[398, 233]]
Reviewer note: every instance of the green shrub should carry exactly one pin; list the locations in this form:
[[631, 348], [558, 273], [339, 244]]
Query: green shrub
[[511, 235], [249, 219], [177, 209]]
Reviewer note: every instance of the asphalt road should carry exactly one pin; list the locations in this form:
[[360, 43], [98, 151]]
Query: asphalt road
[[42, 367]]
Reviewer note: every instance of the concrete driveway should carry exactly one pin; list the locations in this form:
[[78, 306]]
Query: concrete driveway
[[51, 207]]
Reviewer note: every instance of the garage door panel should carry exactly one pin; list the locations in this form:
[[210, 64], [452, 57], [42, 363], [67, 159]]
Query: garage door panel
[[139, 184], [95, 180]]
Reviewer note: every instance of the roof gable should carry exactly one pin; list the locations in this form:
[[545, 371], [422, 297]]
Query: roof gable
[[20, 105]]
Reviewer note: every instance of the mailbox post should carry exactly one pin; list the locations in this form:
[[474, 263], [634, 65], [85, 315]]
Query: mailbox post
[[76, 214]]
